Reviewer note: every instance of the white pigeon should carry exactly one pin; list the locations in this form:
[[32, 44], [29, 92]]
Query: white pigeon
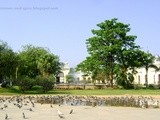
[[60, 114]]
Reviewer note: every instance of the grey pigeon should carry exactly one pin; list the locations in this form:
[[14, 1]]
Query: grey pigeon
[[24, 116], [6, 117], [71, 111]]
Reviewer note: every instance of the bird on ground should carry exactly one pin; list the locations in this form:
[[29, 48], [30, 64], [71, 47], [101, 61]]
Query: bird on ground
[[51, 106], [5, 106], [30, 109], [59, 104], [6, 117], [24, 116], [93, 104], [32, 104], [60, 114], [71, 111]]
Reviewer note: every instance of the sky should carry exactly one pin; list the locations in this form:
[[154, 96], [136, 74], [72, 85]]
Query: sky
[[63, 26]]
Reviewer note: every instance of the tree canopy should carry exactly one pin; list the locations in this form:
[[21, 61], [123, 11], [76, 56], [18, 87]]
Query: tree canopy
[[113, 52], [38, 61], [8, 62], [28, 65]]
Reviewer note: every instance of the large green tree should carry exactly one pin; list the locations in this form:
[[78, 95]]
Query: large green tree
[[38, 61], [8, 62], [113, 51]]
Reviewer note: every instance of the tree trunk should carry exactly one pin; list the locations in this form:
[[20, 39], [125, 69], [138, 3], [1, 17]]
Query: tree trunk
[[146, 78]]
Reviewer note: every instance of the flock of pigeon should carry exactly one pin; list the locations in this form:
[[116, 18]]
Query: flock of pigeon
[[74, 100], [20, 102], [127, 101]]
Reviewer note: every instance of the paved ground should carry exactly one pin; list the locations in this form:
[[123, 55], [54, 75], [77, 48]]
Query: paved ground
[[46, 112]]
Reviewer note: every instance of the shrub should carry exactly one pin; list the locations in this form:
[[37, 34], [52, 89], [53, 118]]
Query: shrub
[[47, 83], [5, 84], [25, 83], [125, 80], [151, 86]]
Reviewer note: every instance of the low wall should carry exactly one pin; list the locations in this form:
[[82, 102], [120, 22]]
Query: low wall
[[80, 86]]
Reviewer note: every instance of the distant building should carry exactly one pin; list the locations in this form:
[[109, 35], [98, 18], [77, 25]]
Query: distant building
[[139, 78], [66, 70], [153, 75]]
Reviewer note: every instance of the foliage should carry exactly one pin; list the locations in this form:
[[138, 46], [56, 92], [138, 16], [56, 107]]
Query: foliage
[[5, 84], [37, 61], [24, 67], [48, 64], [125, 80], [26, 83], [8, 62], [92, 67], [147, 62], [28, 56], [69, 78], [46, 82], [112, 52]]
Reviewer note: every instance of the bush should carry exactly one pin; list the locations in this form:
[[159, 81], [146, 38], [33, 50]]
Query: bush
[[5, 84], [151, 86], [47, 83], [25, 83], [125, 80]]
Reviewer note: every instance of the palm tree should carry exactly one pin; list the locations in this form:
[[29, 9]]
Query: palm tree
[[148, 62]]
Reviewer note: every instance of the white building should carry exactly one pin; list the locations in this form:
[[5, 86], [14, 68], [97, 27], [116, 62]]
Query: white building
[[66, 70], [139, 78], [153, 75]]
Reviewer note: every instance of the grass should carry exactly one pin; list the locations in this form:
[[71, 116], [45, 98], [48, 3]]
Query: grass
[[38, 90], [108, 92]]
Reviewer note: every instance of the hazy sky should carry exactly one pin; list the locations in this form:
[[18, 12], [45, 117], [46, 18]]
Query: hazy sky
[[64, 25]]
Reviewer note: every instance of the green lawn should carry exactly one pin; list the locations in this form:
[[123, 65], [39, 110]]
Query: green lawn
[[15, 90], [108, 92]]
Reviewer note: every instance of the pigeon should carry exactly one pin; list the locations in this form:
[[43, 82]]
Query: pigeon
[[60, 114], [6, 117], [24, 116], [71, 111], [30, 109], [5, 106], [93, 104], [51, 106]]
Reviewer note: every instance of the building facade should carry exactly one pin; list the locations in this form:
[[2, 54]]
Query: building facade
[[77, 75], [153, 75]]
